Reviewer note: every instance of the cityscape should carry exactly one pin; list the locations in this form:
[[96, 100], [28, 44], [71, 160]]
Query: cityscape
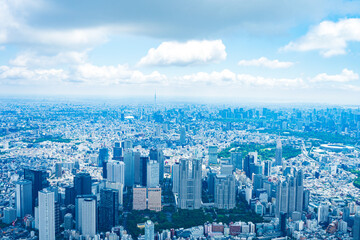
[[179, 120]]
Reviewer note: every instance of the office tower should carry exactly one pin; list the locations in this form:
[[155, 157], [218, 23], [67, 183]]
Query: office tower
[[116, 186], [57, 217], [211, 182], [175, 176], [58, 170], [323, 213], [108, 209], [86, 214], [282, 197], [129, 167], [117, 152], [9, 215], [116, 171], [143, 170], [267, 167], [282, 221], [103, 156], [68, 221], [152, 174], [236, 160], [213, 154], [38, 180], [190, 184], [158, 155], [127, 144], [226, 169], [139, 198], [278, 153], [292, 195], [356, 227], [149, 230], [248, 193], [82, 184], [46, 215], [70, 195], [137, 168], [154, 199], [258, 181], [225, 192], [248, 161], [182, 136], [299, 191], [23, 196], [346, 214]]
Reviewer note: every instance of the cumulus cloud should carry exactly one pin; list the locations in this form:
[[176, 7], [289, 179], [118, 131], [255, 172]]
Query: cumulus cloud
[[345, 76], [330, 38], [264, 62], [190, 52]]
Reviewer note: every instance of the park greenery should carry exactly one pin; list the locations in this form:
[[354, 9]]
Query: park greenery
[[265, 151], [357, 180]]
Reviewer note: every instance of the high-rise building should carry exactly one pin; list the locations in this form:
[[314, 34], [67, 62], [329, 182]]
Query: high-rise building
[[158, 155], [225, 192], [152, 174], [129, 167], [9, 215], [292, 195], [356, 227], [226, 169], [299, 191], [108, 209], [282, 197], [323, 213], [139, 198], [213, 154], [69, 195], [137, 168], [154, 199], [143, 170], [190, 184], [46, 215], [82, 184], [117, 152], [103, 156], [248, 161], [116, 171], [127, 144], [116, 186], [236, 160], [23, 196], [278, 153], [68, 221], [39, 181], [58, 170], [149, 230], [86, 214], [175, 176], [267, 167]]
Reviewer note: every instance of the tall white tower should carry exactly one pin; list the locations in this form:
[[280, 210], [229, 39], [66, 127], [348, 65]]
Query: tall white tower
[[46, 215]]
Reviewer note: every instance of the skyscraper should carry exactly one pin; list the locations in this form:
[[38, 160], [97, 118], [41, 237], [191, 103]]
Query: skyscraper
[[129, 167], [137, 168], [149, 230], [152, 174], [292, 195], [267, 167], [85, 206], [23, 198], [225, 192], [213, 154], [108, 209], [299, 191], [282, 194], [182, 136], [117, 152], [82, 184], [46, 215], [154, 199], [103, 156], [236, 160], [175, 176], [158, 155], [116, 171], [248, 161], [39, 181], [190, 184], [139, 198], [278, 153], [58, 170], [356, 227], [143, 170], [323, 213]]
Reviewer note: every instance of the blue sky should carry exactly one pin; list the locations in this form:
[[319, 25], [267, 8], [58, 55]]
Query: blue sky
[[236, 51]]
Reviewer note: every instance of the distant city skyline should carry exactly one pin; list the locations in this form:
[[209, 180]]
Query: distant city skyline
[[264, 51]]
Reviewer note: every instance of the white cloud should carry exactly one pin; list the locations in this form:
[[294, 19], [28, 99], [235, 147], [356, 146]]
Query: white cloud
[[32, 59], [330, 38], [120, 74], [219, 78], [264, 62], [191, 52], [345, 76]]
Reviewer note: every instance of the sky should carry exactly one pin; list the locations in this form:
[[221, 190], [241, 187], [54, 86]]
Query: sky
[[285, 51]]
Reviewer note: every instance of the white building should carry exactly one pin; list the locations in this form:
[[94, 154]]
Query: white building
[[46, 215], [86, 215], [152, 174], [116, 171]]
